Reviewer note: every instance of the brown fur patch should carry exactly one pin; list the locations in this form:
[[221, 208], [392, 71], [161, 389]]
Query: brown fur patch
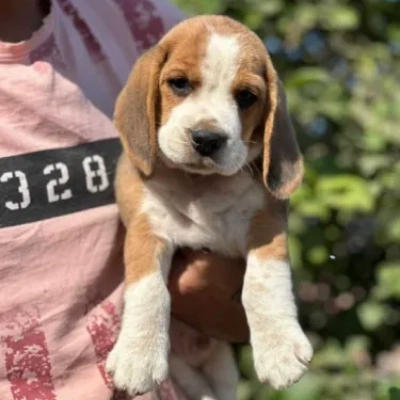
[[136, 111], [184, 61], [141, 245], [142, 250], [268, 231]]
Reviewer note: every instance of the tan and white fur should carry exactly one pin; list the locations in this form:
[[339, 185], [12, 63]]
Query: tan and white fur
[[210, 159]]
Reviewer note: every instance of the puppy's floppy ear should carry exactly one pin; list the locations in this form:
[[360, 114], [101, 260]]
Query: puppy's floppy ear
[[137, 108], [282, 160]]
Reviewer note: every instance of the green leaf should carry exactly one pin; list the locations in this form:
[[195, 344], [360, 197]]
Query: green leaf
[[253, 19], [374, 141], [244, 391], [330, 356], [246, 361], [306, 15], [339, 17], [317, 255], [265, 8], [388, 285], [201, 7], [371, 315], [394, 229], [394, 393], [305, 76], [394, 32], [308, 388], [346, 192], [371, 163], [295, 252]]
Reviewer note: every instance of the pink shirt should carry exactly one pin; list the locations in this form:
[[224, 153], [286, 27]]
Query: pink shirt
[[61, 269]]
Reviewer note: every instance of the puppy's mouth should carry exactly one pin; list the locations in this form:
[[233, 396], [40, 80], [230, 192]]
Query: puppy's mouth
[[208, 166], [205, 166], [199, 166]]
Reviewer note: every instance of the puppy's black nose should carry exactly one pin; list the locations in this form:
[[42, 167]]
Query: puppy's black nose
[[207, 143]]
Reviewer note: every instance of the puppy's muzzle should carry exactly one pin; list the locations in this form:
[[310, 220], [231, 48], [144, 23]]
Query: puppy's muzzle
[[207, 143]]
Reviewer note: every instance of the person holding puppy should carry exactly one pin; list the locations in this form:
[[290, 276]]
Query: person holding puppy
[[62, 65]]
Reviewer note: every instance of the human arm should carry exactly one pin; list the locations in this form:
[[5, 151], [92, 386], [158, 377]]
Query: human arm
[[204, 289]]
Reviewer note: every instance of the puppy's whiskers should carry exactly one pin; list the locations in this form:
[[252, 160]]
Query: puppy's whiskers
[[178, 140]]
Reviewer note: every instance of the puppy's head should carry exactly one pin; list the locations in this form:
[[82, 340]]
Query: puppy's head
[[207, 100]]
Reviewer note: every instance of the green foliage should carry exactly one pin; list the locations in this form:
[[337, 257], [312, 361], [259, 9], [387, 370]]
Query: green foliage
[[340, 64]]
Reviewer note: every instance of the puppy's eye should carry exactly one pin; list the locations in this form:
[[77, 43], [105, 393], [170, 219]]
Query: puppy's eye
[[180, 86], [245, 99]]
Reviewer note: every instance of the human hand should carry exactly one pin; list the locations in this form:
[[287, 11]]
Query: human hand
[[204, 289]]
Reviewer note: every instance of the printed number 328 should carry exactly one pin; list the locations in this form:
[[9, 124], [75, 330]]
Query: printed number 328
[[93, 167]]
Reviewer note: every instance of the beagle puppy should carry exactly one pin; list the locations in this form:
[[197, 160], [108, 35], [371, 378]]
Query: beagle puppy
[[210, 159]]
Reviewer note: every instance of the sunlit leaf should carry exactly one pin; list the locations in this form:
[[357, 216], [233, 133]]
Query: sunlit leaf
[[372, 314], [345, 192], [339, 17], [388, 285], [307, 75]]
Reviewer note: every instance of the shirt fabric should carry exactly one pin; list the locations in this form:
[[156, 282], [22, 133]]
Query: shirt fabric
[[61, 272]]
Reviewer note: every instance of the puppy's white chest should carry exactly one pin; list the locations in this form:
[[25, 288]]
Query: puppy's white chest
[[216, 216]]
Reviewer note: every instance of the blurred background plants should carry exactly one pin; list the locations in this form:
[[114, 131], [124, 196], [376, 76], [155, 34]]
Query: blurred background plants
[[340, 63]]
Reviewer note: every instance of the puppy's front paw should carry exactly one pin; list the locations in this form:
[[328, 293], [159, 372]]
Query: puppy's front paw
[[281, 353], [138, 369]]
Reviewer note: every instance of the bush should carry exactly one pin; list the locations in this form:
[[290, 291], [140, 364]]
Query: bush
[[340, 64]]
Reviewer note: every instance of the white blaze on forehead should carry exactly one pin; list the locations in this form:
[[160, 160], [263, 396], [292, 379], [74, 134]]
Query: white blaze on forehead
[[220, 64], [218, 69], [212, 102]]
